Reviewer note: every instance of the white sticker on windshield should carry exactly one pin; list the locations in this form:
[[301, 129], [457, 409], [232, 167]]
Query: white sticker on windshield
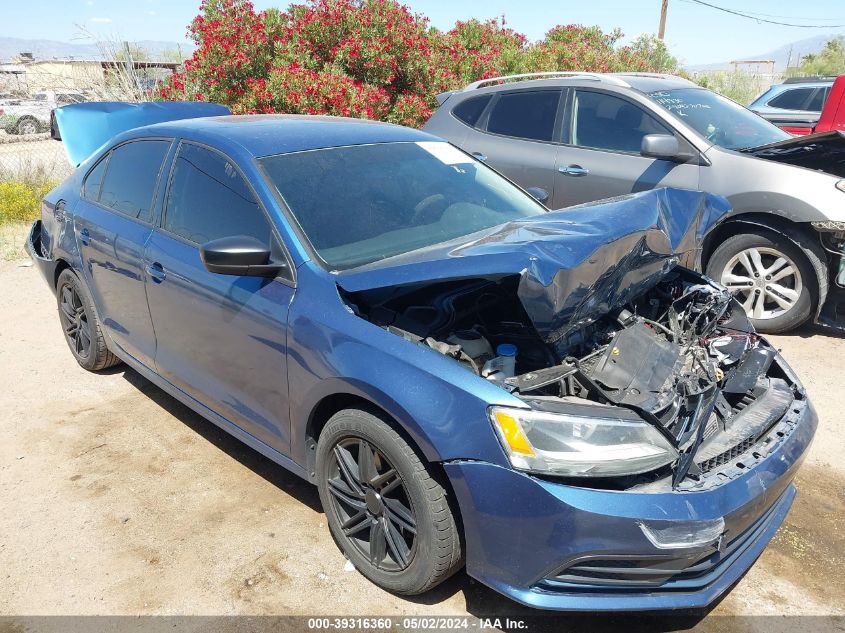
[[445, 153]]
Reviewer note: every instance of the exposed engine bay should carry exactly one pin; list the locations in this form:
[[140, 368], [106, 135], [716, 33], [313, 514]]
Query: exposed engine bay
[[681, 355]]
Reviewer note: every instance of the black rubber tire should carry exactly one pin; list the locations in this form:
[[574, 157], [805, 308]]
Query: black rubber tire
[[438, 552], [23, 121], [99, 356], [804, 258]]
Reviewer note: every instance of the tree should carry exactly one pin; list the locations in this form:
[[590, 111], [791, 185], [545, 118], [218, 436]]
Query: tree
[[828, 62], [652, 50], [373, 58]]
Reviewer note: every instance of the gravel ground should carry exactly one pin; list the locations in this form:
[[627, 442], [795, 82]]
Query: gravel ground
[[116, 499]]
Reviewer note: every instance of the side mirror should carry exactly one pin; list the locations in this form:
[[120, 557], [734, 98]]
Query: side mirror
[[539, 194], [238, 255], [664, 146]]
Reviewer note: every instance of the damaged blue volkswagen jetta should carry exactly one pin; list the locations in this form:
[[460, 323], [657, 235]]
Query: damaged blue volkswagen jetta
[[553, 399]]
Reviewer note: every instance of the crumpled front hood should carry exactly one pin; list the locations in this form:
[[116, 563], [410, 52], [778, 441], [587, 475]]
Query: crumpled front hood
[[576, 264], [823, 152]]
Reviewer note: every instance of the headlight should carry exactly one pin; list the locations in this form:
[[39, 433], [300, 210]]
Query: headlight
[[840, 184], [580, 446]]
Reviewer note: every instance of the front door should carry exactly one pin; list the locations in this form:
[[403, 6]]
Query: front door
[[222, 339], [113, 221], [601, 155]]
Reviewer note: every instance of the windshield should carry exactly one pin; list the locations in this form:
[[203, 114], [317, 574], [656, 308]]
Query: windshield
[[362, 203], [719, 120]]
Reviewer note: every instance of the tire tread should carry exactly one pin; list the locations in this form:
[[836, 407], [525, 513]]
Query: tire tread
[[447, 554]]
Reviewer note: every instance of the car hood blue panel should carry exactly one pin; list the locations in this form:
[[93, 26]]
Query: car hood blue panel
[[575, 264], [85, 127]]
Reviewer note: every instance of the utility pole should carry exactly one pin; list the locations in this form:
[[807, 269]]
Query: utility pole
[[662, 29]]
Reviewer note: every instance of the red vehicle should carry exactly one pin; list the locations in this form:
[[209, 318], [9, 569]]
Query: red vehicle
[[832, 117]]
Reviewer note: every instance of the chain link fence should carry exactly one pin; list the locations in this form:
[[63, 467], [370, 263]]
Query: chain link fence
[[32, 158]]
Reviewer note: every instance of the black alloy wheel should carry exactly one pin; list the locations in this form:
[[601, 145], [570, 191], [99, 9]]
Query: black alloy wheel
[[74, 321], [371, 503], [388, 508], [81, 324]]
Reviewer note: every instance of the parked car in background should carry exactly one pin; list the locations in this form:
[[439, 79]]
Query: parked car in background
[[32, 115], [831, 117], [549, 398], [583, 136], [797, 98]]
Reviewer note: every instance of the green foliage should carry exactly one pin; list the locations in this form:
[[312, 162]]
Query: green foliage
[[742, 87], [20, 201], [653, 51], [375, 58], [828, 62]]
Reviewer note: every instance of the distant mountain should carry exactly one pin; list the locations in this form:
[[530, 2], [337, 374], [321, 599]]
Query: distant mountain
[[52, 49], [788, 54]]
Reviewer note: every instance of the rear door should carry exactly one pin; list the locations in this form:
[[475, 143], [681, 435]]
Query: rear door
[[600, 155], [516, 136], [221, 338], [113, 221]]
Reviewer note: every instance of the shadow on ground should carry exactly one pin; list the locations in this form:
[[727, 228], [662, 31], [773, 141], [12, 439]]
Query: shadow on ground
[[481, 601]]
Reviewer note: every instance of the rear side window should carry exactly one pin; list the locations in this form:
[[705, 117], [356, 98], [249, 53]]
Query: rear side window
[[208, 199], [817, 101], [131, 177], [94, 180], [792, 99], [529, 115], [469, 110]]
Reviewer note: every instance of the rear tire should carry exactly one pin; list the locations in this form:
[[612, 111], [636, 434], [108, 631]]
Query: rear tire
[[27, 125], [81, 324], [772, 277], [384, 509]]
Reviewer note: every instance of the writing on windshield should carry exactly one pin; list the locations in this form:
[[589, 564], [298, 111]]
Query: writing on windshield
[[719, 120]]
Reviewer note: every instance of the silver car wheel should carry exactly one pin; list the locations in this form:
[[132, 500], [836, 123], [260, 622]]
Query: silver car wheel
[[765, 281], [28, 126]]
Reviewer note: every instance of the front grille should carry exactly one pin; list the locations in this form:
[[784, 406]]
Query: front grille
[[666, 573], [729, 455]]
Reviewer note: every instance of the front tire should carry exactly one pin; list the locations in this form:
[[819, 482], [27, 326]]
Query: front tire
[[81, 324], [770, 275], [384, 509]]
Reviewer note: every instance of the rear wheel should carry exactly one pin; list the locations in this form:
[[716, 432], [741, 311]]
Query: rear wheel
[[384, 509], [27, 125], [770, 276], [81, 325]]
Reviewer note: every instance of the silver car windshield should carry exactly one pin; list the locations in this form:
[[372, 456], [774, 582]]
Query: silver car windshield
[[362, 203], [718, 119]]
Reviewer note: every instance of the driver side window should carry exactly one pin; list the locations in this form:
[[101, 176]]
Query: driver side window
[[208, 199], [602, 121]]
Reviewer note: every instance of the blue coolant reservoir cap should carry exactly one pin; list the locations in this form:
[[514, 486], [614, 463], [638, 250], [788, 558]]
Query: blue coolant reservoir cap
[[506, 349]]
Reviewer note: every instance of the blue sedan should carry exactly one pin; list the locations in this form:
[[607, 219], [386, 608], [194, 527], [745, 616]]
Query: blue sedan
[[554, 400]]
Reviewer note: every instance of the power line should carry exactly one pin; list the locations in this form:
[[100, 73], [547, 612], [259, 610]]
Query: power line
[[792, 17], [767, 21]]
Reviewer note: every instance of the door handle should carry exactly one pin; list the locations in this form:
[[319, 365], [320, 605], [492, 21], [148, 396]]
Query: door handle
[[479, 156], [85, 237], [156, 272], [573, 170]]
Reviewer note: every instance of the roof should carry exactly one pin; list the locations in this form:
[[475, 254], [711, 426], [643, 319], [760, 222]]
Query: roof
[[644, 82], [268, 134], [821, 81]]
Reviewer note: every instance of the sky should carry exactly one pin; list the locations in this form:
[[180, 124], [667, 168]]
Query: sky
[[695, 34]]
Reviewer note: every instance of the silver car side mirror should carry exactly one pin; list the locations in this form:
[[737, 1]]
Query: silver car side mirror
[[664, 146]]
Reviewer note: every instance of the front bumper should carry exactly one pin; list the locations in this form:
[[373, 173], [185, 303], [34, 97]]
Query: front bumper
[[555, 546], [45, 265]]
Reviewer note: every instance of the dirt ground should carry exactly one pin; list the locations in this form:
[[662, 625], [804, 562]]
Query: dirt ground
[[116, 499]]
